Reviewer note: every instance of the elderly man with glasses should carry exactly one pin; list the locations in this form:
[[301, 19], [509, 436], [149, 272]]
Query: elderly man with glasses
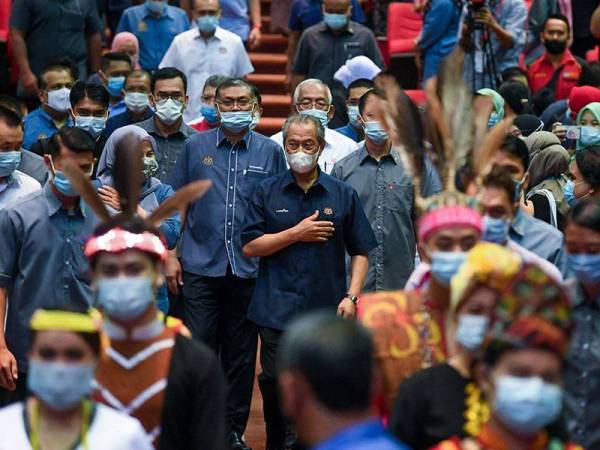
[[216, 278], [313, 98]]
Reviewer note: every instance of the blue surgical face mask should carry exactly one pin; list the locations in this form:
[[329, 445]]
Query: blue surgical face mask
[[115, 85], [335, 21], [60, 385], [495, 230], [207, 24], [585, 266], [125, 298], [518, 188], [209, 112], [9, 161], [493, 120], [569, 193], [375, 132], [91, 124], [471, 330], [62, 183], [156, 7], [589, 136], [526, 404], [318, 114], [353, 116], [444, 265], [236, 121]]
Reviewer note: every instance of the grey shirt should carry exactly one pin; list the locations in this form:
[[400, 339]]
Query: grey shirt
[[42, 262], [168, 148], [54, 29], [582, 373], [386, 193], [320, 52]]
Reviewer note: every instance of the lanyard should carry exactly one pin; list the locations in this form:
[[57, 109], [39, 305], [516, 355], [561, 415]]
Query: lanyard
[[34, 437]]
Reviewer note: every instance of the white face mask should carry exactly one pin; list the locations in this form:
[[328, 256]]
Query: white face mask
[[58, 100], [301, 162], [169, 111]]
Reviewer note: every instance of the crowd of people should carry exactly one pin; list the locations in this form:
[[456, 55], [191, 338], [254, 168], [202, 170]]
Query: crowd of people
[[419, 275]]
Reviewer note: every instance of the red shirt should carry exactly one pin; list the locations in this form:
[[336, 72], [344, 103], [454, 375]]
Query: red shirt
[[541, 70], [200, 126]]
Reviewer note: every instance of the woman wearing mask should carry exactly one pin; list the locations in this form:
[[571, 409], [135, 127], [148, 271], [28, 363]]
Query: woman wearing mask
[[58, 414], [517, 390], [549, 161], [153, 191], [429, 405], [585, 176], [589, 120]]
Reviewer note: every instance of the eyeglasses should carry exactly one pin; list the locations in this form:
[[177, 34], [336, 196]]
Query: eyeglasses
[[309, 104], [240, 102], [163, 96], [309, 146]]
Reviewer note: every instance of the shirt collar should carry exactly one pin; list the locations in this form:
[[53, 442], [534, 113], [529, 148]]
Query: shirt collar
[[221, 138], [567, 57], [166, 13], [323, 28], [55, 205], [518, 224], [363, 155], [322, 180], [183, 128], [141, 333], [352, 434], [219, 34]]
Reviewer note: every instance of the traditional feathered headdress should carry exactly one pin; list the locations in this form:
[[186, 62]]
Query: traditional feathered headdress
[[128, 179]]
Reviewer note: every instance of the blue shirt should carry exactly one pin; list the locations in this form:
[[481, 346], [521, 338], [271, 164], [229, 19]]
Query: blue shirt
[[305, 275], [117, 108], [539, 237], [42, 262], [349, 131], [37, 125], [234, 17], [368, 435], [211, 236], [121, 120], [306, 13], [154, 35]]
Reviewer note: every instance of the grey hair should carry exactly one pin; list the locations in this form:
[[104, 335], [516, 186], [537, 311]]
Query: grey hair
[[214, 81], [308, 82], [304, 119]]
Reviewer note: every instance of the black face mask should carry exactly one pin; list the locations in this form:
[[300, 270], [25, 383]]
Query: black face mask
[[555, 47]]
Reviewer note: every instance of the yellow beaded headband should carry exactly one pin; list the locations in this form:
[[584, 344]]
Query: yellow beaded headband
[[54, 320]]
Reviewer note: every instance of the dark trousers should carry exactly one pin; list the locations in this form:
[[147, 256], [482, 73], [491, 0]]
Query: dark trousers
[[7, 397], [267, 382], [215, 313]]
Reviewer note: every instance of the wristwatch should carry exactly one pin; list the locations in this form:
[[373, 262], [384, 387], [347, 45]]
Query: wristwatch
[[352, 298]]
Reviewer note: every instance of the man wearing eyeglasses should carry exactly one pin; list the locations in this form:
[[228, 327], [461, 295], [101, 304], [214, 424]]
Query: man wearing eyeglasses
[[168, 97], [217, 280], [206, 49], [41, 255], [301, 223], [313, 98]]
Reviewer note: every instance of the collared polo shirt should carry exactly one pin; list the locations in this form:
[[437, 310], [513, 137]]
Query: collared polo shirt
[[350, 132], [154, 34], [539, 237], [37, 125], [235, 17], [541, 71], [16, 186], [117, 108], [305, 275], [211, 237], [167, 148], [306, 13], [582, 371], [387, 195], [320, 53], [222, 54], [369, 435], [54, 29], [337, 146], [42, 262]]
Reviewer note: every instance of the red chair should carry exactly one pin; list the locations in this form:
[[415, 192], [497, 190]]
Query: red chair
[[593, 54], [403, 27]]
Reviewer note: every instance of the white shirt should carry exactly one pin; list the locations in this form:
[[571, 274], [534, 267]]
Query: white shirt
[[418, 279], [19, 185], [222, 54], [337, 146], [110, 430]]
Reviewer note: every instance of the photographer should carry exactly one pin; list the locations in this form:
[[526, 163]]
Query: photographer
[[493, 37]]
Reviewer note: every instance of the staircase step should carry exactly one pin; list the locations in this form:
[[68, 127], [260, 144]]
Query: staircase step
[[276, 105], [270, 125], [268, 83], [272, 43], [268, 62]]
